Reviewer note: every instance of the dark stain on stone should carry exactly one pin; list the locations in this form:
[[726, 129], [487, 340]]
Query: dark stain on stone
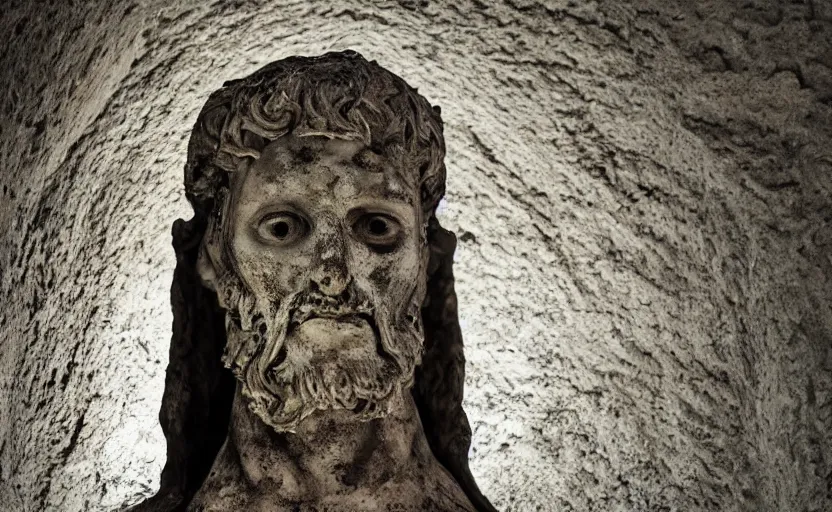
[[305, 155], [467, 236], [40, 127], [356, 471], [810, 392], [369, 159], [51, 382], [381, 276], [331, 184], [73, 440], [20, 26]]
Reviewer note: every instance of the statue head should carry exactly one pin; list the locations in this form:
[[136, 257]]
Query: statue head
[[318, 179]]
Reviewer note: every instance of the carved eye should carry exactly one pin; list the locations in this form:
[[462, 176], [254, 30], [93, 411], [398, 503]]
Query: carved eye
[[377, 230], [283, 228]]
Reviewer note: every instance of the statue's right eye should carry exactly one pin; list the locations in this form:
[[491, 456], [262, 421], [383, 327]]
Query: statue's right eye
[[282, 228]]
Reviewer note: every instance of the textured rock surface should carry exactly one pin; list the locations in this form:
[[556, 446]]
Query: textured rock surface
[[641, 191]]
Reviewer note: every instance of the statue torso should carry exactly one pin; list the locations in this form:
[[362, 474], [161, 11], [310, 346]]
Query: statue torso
[[433, 490]]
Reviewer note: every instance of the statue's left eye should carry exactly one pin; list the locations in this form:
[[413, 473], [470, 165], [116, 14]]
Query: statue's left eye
[[283, 228], [377, 230]]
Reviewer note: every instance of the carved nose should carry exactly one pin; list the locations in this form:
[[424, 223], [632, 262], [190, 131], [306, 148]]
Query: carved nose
[[331, 274], [331, 280]]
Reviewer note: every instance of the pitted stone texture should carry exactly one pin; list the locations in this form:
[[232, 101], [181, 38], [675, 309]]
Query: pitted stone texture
[[641, 192]]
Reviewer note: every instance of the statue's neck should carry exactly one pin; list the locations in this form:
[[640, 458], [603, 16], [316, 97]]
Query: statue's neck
[[331, 452]]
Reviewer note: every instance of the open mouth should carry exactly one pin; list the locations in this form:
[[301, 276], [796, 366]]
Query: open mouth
[[319, 308], [356, 318], [340, 315], [350, 318]]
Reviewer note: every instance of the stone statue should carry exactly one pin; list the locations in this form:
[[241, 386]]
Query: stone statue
[[315, 270]]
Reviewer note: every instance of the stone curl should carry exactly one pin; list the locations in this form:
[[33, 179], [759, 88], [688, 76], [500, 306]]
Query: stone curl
[[336, 95]]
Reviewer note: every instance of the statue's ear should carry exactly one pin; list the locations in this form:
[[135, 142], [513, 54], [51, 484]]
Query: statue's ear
[[441, 244], [440, 379], [206, 270]]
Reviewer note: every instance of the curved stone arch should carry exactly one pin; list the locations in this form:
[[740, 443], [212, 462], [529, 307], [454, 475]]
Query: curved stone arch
[[641, 193]]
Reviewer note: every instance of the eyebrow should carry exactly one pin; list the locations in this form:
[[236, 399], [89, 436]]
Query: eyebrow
[[381, 191], [373, 202], [392, 196]]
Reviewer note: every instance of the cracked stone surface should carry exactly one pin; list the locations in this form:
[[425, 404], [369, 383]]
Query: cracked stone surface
[[643, 197]]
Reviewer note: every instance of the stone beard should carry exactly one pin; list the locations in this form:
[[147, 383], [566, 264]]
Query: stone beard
[[285, 378]]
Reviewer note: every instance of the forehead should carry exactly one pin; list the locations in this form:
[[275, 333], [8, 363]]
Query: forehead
[[316, 164]]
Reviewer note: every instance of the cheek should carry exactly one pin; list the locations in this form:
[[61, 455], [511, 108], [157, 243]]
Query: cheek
[[272, 275], [393, 276]]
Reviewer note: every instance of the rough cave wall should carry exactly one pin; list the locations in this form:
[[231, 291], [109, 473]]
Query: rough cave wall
[[642, 196]]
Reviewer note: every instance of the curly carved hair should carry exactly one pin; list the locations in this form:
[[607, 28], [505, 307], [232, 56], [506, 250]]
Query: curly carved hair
[[337, 95]]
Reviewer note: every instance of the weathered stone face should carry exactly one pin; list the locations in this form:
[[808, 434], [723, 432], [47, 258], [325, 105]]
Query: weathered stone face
[[328, 249]]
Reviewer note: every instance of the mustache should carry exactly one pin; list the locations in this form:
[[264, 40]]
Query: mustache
[[312, 303], [351, 305]]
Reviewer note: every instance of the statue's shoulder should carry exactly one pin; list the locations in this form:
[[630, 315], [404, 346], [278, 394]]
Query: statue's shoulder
[[229, 496]]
